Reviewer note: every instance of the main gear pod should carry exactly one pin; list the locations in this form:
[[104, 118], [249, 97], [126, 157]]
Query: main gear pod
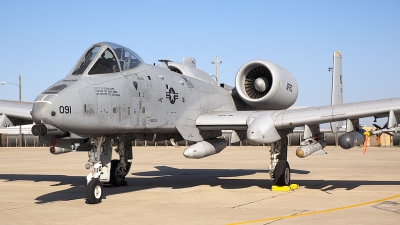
[[205, 148]]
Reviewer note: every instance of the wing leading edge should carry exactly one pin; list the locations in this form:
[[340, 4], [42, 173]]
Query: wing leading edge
[[288, 119]]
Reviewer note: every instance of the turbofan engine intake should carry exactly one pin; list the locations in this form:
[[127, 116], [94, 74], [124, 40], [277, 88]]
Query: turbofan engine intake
[[265, 85]]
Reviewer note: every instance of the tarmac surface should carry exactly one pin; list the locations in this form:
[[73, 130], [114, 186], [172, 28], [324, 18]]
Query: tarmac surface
[[233, 187]]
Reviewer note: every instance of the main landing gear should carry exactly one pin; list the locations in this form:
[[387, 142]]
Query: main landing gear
[[121, 167], [104, 169], [279, 170]]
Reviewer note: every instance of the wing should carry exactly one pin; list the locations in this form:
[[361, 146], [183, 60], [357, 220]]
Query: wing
[[15, 113], [316, 115], [265, 126]]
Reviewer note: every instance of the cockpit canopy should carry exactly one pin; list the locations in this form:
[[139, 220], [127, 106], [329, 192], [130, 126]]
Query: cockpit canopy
[[106, 57]]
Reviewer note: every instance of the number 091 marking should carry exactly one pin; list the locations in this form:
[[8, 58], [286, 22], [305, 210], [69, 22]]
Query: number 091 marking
[[65, 109]]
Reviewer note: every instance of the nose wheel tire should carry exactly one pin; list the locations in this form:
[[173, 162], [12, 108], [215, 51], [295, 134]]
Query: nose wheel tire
[[94, 191], [282, 173]]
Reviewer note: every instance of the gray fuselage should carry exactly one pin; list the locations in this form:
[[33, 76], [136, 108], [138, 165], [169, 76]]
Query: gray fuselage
[[146, 99]]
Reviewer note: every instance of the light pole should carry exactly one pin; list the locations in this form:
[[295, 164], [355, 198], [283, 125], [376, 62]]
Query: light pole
[[20, 99], [216, 69]]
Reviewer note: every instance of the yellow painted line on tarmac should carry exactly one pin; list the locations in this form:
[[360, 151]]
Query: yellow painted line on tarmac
[[317, 212]]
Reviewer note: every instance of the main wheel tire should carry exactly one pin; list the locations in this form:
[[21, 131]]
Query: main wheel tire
[[94, 191], [282, 173], [116, 177]]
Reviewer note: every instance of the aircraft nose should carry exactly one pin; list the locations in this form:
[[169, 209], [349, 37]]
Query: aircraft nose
[[43, 109]]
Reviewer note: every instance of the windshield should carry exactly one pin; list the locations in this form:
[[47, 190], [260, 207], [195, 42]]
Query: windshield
[[86, 60], [127, 58], [105, 64], [106, 57]]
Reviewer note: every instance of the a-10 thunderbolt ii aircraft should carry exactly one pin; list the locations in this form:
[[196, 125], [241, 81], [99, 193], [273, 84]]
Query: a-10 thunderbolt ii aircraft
[[112, 97]]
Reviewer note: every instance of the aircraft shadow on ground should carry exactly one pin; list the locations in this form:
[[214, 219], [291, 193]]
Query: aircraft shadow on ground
[[174, 178]]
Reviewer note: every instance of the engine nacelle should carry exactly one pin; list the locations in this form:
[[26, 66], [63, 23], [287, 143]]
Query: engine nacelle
[[205, 148], [265, 85], [351, 139]]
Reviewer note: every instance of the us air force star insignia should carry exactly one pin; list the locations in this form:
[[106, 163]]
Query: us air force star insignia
[[171, 95]]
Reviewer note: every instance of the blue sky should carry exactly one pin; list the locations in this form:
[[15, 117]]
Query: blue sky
[[42, 40]]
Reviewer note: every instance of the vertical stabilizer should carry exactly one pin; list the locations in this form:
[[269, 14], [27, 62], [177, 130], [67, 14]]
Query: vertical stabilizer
[[337, 86]]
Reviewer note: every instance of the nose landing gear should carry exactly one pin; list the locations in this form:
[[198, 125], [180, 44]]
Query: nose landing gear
[[104, 169]]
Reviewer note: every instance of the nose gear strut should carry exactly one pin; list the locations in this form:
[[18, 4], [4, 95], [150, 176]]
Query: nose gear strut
[[104, 169]]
